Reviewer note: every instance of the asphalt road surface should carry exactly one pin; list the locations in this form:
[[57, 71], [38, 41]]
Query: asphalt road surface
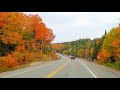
[[63, 68]]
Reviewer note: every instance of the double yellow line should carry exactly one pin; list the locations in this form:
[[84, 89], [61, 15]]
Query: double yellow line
[[57, 70]]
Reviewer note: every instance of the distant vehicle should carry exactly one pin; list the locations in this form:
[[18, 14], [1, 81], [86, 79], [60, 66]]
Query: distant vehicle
[[69, 56], [72, 57]]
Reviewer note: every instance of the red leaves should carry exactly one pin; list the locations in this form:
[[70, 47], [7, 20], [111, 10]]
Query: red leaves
[[20, 48], [23, 33], [3, 19], [10, 61], [101, 57], [50, 36], [11, 38], [43, 33], [58, 46], [54, 56], [2, 22], [111, 46], [87, 53], [40, 31]]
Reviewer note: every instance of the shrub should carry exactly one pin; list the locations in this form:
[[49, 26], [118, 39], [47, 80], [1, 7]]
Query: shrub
[[2, 62], [19, 56], [10, 61], [118, 64]]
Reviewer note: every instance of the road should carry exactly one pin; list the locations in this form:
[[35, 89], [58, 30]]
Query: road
[[63, 68]]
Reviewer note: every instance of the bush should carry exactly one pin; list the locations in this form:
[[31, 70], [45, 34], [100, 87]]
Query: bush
[[2, 59], [10, 61], [53, 55], [19, 56], [118, 64], [29, 57], [2, 62]]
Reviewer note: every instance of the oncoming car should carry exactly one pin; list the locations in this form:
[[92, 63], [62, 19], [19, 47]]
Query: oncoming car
[[72, 57]]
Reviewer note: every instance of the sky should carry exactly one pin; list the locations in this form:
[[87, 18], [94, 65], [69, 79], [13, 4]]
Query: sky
[[69, 26]]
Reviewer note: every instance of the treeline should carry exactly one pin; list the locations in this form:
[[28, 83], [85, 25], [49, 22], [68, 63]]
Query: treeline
[[23, 38], [85, 48], [103, 50]]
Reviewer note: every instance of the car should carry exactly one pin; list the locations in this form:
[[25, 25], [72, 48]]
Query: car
[[72, 57]]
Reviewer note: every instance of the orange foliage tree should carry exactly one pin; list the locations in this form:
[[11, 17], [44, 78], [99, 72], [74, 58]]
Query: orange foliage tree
[[87, 52], [111, 46], [20, 36], [57, 47]]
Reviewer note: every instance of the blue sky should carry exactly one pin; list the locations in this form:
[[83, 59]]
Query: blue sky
[[68, 26]]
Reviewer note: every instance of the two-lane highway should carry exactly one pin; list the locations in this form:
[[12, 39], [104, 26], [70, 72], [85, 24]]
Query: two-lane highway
[[63, 68]]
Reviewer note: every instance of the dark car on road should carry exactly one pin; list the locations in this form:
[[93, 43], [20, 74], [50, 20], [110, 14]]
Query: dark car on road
[[72, 57]]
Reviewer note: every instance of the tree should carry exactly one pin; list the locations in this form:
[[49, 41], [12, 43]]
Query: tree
[[80, 52], [65, 52], [87, 52], [91, 52], [20, 36], [110, 48]]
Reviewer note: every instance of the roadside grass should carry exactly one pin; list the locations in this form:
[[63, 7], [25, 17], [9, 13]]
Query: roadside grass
[[35, 61], [114, 65], [13, 68]]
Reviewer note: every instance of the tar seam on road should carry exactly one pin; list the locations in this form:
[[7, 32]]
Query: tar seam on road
[[57, 70], [24, 71], [89, 70]]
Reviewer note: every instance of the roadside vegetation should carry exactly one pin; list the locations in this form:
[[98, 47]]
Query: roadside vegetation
[[24, 39], [104, 51], [46, 58]]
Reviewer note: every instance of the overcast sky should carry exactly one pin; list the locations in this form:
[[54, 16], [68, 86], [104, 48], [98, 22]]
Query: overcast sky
[[68, 26]]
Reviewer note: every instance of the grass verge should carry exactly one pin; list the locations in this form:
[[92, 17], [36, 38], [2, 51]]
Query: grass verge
[[45, 59], [114, 65]]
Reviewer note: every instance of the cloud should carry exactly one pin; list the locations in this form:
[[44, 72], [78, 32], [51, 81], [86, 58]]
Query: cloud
[[69, 26]]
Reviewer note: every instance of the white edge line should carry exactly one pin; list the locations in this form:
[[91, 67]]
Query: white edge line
[[89, 70], [20, 72], [23, 71]]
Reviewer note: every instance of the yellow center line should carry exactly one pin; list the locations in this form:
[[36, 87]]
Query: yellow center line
[[57, 70]]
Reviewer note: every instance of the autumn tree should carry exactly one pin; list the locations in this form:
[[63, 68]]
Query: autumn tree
[[11, 31], [21, 36], [110, 48], [80, 52], [58, 47], [87, 52], [65, 52]]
